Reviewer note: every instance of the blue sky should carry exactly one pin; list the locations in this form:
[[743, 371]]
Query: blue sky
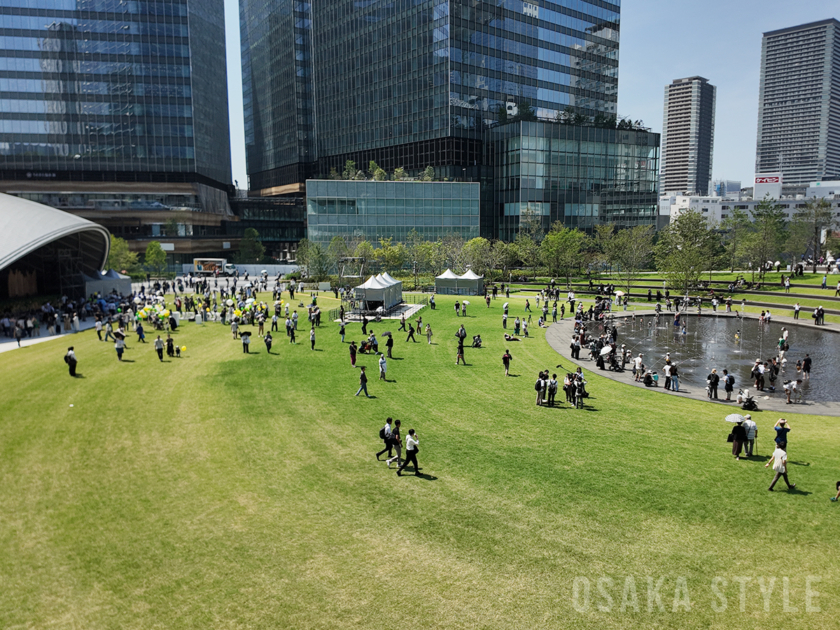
[[661, 40]]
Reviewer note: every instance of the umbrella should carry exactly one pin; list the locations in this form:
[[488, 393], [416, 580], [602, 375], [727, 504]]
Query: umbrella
[[263, 271], [465, 302], [387, 333], [380, 309], [606, 350], [619, 292], [734, 418], [229, 302], [119, 335], [505, 305], [245, 333], [250, 301]]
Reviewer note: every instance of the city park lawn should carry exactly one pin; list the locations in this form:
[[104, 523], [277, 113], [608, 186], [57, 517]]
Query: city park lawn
[[225, 490]]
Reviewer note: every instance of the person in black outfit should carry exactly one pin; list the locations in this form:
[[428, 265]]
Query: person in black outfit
[[389, 344], [728, 382], [714, 380], [364, 325], [410, 334], [739, 438], [70, 360], [386, 437]]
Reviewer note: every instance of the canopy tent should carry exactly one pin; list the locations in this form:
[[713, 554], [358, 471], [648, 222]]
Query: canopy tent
[[449, 283], [379, 291], [107, 282]]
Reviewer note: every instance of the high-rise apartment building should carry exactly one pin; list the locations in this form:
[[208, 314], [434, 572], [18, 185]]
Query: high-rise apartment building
[[411, 84], [117, 111], [688, 136], [799, 103]]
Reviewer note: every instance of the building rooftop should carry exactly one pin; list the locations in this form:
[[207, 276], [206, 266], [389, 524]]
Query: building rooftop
[[802, 27]]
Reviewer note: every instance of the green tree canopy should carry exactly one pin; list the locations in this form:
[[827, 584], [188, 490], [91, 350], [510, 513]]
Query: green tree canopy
[[768, 232], [251, 250], [560, 250], [477, 255], [120, 257], [155, 258], [682, 251], [391, 256], [630, 251]]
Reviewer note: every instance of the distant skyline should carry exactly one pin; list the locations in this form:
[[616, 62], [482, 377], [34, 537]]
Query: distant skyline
[[660, 41]]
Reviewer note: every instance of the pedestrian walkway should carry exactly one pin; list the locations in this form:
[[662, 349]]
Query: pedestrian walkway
[[7, 344], [559, 336]]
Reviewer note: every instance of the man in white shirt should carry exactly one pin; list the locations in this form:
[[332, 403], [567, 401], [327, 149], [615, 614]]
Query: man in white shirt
[[796, 311], [752, 432], [383, 368], [385, 434], [159, 348], [412, 447], [637, 366]]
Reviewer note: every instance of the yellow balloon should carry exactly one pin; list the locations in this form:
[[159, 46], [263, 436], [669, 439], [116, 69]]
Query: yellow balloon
[[183, 348]]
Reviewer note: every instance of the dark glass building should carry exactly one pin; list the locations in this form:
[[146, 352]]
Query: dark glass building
[[412, 83], [117, 111], [582, 176]]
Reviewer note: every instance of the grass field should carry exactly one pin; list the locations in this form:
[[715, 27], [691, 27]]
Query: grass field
[[225, 490]]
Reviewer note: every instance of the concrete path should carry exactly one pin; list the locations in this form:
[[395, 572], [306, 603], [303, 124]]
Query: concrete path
[[559, 336]]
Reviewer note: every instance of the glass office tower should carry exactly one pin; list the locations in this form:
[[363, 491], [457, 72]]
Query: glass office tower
[[412, 83], [113, 90]]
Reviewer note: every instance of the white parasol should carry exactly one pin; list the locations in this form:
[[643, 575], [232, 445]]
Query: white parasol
[[734, 418]]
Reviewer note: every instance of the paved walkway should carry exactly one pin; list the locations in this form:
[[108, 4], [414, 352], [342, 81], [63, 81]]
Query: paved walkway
[[559, 336], [7, 344]]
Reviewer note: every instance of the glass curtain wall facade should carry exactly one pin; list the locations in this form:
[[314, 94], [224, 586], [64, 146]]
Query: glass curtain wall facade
[[798, 111], [582, 176], [113, 90], [412, 83], [370, 210]]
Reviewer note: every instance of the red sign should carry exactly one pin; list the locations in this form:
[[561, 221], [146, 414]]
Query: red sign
[[768, 180]]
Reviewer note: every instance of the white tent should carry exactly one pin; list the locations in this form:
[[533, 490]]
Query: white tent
[[379, 291], [107, 282], [449, 283]]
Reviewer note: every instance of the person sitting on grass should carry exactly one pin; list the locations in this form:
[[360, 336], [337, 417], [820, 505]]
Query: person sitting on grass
[[836, 496]]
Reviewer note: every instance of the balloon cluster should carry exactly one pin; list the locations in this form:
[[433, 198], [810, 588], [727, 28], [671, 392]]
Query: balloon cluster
[[158, 309]]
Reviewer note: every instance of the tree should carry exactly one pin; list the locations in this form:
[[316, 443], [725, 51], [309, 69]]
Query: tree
[[120, 257], [251, 250], [399, 174], [336, 252], [377, 172], [312, 258], [560, 249], [170, 228], [451, 247], [526, 112], [350, 170], [527, 242], [764, 243], [501, 114], [428, 174], [476, 255], [603, 243], [365, 253], [808, 224], [334, 174], [155, 258], [392, 257], [682, 251], [734, 231], [630, 251], [504, 256]]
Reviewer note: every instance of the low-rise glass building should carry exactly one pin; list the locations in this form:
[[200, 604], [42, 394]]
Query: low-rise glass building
[[580, 175], [373, 210]]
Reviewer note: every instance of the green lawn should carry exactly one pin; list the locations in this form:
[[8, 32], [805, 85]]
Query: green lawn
[[224, 490]]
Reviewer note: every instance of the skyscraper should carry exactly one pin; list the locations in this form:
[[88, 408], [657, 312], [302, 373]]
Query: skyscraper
[[799, 103], [411, 84], [113, 109], [688, 136]]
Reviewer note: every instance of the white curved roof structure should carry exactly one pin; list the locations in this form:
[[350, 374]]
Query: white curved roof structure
[[27, 226]]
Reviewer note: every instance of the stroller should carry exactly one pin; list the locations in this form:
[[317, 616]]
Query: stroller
[[749, 403]]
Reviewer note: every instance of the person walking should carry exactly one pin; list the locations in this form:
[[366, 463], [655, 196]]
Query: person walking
[[779, 462], [389, 345], [402, 323], [312, 338], [410, 334], [782, 428], [98, 326], [268, 339], [396, 442], [460, 355], [796, 308], [141, 335], [806, 367], [506, 359], [752, 433], [159, 348], [119, 346], [739, 437], [292, 338], [429, 333], [70, 360], [385, 435], [363, 382], [412, 447], [341, 331], [246, 343], [353, 354], [109, 331], [383, 368]]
